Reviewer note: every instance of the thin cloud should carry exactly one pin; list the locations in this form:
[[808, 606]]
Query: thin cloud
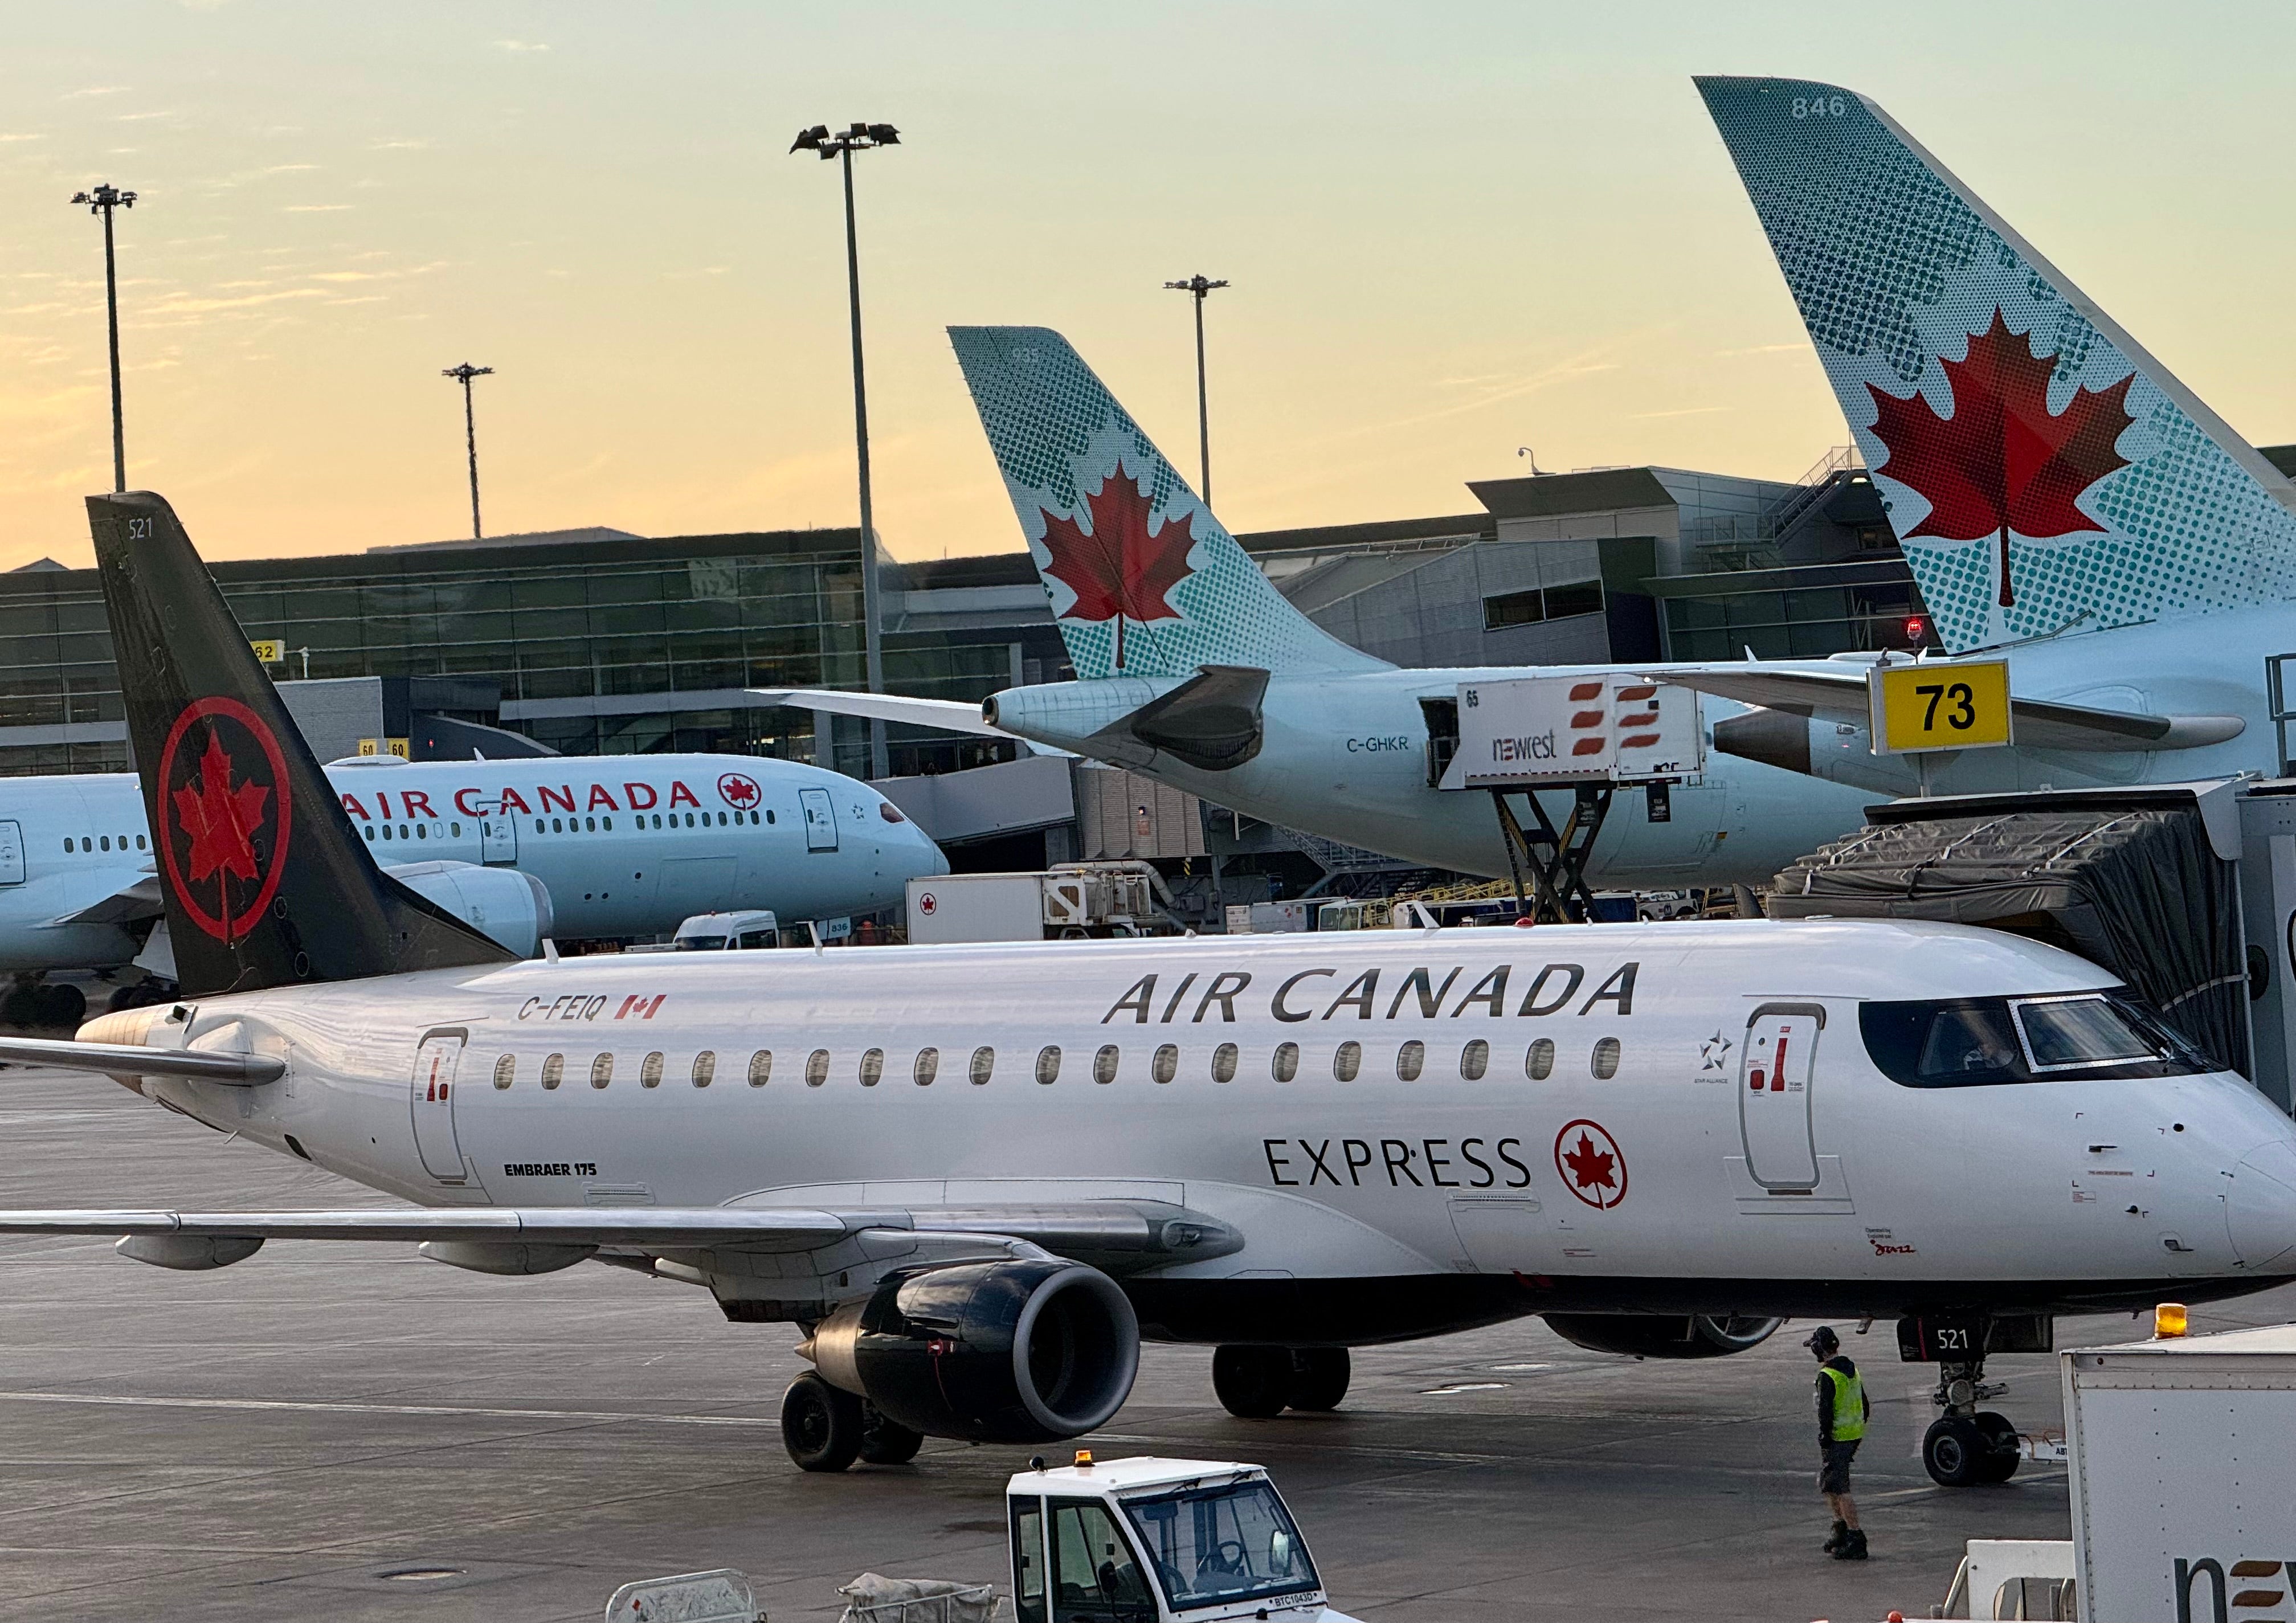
[[1687, 411], [396, 146], [25, 138], [519, 47], [1725, 355], [74, 96], [315, 207]]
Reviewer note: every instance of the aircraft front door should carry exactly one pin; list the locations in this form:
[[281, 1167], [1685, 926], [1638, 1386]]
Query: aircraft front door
[[1777, 1067], [498, 838], [435, 1064], [820, 819], [12, 851]]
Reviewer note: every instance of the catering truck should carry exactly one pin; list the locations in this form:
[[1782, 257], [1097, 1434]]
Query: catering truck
[[2183, 1476]]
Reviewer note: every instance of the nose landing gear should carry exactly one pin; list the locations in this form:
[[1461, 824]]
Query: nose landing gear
[[1966, 1445]]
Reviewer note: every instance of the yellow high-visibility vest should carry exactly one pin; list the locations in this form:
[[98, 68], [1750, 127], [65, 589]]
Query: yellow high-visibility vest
[[1848, 1404]]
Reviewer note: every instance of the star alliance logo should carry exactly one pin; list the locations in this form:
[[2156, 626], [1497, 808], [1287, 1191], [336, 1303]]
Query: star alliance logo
[[1714, 1052]]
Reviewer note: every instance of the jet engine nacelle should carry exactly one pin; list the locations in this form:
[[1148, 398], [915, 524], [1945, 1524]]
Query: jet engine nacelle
[[511, 908], [992, 1352], [1654, 1335]]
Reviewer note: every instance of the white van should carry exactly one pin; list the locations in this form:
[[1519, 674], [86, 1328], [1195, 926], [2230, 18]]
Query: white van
[[712, 932]]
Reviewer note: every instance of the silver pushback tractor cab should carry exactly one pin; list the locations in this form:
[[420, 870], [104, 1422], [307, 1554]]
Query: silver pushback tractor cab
[[1148, 1540]]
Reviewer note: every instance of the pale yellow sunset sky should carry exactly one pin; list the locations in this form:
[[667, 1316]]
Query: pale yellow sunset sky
[[1451, 229]]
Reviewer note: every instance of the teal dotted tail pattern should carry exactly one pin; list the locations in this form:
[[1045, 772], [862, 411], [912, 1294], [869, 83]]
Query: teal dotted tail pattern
[[1896, 267], [1058, 435]]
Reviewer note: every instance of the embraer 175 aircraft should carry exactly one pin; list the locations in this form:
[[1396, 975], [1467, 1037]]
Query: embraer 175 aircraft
[[975, 1178], [600, 845], [2062, 496], [1193, 669]]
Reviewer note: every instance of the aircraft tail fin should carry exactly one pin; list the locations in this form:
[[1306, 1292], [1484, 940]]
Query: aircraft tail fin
[[2041, 469], [1143, 581], [264, 881]]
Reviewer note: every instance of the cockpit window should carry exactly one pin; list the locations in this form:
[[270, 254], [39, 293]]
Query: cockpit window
[[1976, 1042], [1216, 1545]]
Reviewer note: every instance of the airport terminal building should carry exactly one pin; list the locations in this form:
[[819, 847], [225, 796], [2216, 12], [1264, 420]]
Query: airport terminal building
[[599, 641]]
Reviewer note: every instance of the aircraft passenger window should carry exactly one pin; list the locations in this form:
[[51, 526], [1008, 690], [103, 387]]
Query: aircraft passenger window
[[589, 825], [402, 830], [609, 822], [601, 1070], [68, 845], [139, 842], [557, 826], [761, 1067], [422, 830], [553, 1070], [1605, 1060], [1104, 1065], [386, 831], [106, 843], [657, 819], [753, 816], [505, 1068], [650, 1071], [1539, 1062], [537, 826], [873, 1067], [816, 1068], [1166, 1065], [1410, 1060], [1347, 1061], [1285, 1065], [1048, 1065], [705, 1068], [1224, 1062], [1474, 1060], [984, 1060], [688, 819], [455, 829], [928, 1065]]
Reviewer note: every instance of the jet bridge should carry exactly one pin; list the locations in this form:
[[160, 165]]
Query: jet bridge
[[1588, 734], [2186, 891]]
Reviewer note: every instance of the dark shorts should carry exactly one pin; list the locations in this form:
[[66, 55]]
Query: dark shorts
[[1833, 1471]]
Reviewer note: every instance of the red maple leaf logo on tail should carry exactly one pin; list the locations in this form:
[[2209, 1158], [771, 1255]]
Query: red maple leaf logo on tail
[[221, 820], [1118, 569], [2003, 461]]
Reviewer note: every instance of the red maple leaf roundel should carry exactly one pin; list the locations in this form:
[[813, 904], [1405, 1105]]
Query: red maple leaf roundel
[[1589, 1160], [224, 815], [220, 817], [2003, 461], [1120, 569]]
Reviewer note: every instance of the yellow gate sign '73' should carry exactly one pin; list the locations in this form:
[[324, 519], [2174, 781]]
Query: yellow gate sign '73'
[[1938, 705]]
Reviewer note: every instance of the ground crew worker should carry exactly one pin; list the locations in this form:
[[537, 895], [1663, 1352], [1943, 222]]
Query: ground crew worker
[[1842, 1407]]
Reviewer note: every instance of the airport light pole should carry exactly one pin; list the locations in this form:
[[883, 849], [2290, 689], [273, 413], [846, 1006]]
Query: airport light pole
[[823, 145], [1197, 286], [464, 374], [103, 200]]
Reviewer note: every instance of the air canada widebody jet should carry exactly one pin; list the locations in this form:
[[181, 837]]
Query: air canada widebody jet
[[973, 1179]]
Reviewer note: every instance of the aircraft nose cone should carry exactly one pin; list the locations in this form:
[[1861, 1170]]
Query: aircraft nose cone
[[2261, 1209]]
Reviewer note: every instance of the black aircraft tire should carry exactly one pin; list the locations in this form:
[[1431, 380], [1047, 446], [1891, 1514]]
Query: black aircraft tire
[[62, 1004], [1253, 1382], [1319, 1378], [886, 1442], [20, 1005], [2000, 1436], [1953, 1451], [821, 1426]]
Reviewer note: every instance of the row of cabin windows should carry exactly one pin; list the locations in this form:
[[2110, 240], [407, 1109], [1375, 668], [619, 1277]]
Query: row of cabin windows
[[91, 842], [591, 825], [413, 832], [1163, 1065]]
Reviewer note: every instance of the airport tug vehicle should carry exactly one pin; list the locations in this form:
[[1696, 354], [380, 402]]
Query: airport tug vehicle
[[1148, 1540]]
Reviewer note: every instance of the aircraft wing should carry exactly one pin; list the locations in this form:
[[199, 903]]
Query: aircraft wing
[[138, 900], [2041, 724], [130, 1059], [1144, 1231], [947, 715]]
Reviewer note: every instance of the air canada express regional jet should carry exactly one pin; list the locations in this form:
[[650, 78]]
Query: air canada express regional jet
[[621, 846], [973, 1178]]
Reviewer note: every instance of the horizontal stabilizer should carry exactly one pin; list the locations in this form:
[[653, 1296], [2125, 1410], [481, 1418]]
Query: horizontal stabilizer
[[128, 1059], [2041, 724], [945, 714], [131, 904]]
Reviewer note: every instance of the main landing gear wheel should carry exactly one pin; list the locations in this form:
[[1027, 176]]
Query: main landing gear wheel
[[1253, 1382], [2003, 1454], [1260, 1383], [886, 1442], [1955, 1453], [1319, 1378], [821, 1426]]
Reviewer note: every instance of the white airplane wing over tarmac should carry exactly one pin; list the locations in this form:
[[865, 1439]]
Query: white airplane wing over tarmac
[[1838, 695], [947, 715]]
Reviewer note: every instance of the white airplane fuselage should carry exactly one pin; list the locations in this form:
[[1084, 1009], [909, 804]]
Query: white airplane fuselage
[[1345, 757], [626, 845], [1626, 1165], [2211, 664]]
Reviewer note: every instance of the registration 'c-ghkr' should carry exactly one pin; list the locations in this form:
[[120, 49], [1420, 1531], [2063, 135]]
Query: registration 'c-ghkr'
[[975, 1178]]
